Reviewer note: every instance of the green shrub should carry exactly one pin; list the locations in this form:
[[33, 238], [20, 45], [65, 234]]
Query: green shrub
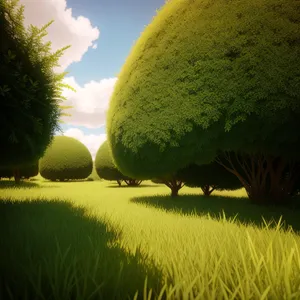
[[66, 159], [107, 169]]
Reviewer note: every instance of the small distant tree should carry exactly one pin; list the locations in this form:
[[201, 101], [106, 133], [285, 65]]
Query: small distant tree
[[209, 178], [30, 91], [107, 170]]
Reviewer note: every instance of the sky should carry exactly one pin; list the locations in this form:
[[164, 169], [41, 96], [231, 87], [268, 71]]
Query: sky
[[101, 34]]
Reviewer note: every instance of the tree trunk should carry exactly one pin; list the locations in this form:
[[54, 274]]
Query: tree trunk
[[133, 182], [119, 182], [17, 176], [264, 178], [174, 185], [174, 191], [207, 189]]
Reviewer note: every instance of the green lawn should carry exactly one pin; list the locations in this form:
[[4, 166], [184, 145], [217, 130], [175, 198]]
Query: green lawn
[[94, 240]]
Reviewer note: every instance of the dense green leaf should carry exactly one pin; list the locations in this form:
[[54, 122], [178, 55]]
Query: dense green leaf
[[208, 76]]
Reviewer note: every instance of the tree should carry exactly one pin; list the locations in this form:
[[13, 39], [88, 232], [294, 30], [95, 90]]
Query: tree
[[107, 170], [66, 159], [24, 172], [210, 78], [209, 178], [171, 182], [30, 91]]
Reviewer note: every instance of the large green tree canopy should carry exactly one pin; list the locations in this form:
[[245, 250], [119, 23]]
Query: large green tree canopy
[[208, 76], [30, 91]]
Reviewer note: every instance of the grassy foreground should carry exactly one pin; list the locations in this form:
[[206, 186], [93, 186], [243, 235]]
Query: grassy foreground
[[93, 240]]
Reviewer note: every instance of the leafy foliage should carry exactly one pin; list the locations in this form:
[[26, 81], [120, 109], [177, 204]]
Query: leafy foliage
[[207, 76], [30, 91], [66, 158]]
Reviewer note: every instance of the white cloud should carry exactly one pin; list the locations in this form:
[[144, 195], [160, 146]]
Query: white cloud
[[91, 141], [66, 29], [90, 102]]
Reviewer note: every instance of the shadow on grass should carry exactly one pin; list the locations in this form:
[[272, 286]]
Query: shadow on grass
[[66, 181], [52, 250], [214, 205], [131, 186], [10, 184]]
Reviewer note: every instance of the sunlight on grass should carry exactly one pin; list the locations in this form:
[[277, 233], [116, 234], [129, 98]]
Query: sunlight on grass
[[110, 239]]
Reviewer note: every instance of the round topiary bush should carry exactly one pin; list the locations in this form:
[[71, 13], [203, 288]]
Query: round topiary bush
[[66, 158], [106, 168]]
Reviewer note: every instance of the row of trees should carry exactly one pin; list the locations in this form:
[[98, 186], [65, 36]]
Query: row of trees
[[208, 177], [30, 91], [204, 85], [213, 83], [68, 159]]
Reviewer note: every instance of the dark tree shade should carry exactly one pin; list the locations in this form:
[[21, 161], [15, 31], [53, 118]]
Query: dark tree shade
[[24, 172], [107, 170], [66, 159], [30, 170], [209, 177], [30, 92], [207, 77]]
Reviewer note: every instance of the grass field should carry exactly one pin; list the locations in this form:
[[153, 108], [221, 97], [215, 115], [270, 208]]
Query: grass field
[[94, 240]]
